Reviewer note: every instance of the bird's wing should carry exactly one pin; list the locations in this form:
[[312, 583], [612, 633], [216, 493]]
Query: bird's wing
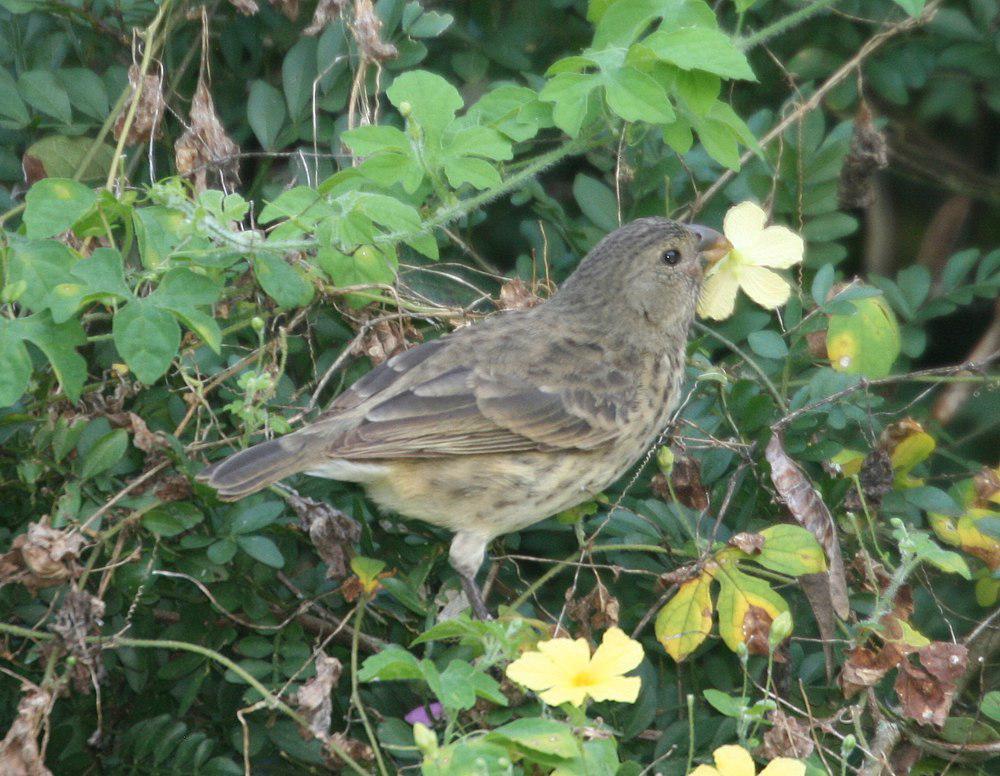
[[465, 410]]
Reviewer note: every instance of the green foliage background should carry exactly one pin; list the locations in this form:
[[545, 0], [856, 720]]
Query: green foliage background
[[383, 197]]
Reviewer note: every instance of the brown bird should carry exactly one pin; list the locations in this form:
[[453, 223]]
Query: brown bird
[[499, 425]]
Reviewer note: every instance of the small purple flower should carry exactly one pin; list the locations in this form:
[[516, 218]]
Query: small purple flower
[[425, 714]]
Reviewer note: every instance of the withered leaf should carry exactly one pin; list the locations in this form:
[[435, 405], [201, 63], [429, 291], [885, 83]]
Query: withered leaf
[[205, 147], [19, 751], [314, 697], [876, 479], [41, 557], [945, 661], [596, 611], [517, 295], [79, 617], [787, 737], [865, 667], [326, 11], [245, 7], [750, 543], [808, 508], [367, 31], [149, 110], [869, 153], [757, 631], [923, 698], [332, 533]]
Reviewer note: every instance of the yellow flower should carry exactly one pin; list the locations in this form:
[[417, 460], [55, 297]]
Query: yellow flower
[[563, 670], [736, 761], [755, 248]]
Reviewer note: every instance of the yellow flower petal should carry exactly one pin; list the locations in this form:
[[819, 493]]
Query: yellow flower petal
[[618, 654], [533, 670], [621, 688], [704, 770], [743, 223], [570, 655], [718, 293], [734, 760], [564, 693], [784, 766], [776, 246], [765, 287]]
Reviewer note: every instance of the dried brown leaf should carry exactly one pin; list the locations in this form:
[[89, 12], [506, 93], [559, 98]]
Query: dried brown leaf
[[290, 8], [750, 543], [313, 698], [787, 737], [149, 111], [332, 533], [79, 617], [205, 147], [945, 661], [517, 295], [326, 11], [865, 667], [757, 631], [922, 697], [869, 153], [808, 508], [875, 477], [358, 751], [367, 31], [384, 339], [596, 611], [19, 751], [41, 557], [245, 7]]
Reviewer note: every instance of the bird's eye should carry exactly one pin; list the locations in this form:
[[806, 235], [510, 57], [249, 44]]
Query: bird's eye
[[671, 257]]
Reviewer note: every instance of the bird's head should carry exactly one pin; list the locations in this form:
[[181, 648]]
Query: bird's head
[[651, 268]]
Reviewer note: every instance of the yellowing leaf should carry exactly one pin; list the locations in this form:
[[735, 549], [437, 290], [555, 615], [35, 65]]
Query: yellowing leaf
[[684, 623], [738, 595], [910, 451], [791, 549], [865, 343], [848, 462], [987, 591], [964, 533]]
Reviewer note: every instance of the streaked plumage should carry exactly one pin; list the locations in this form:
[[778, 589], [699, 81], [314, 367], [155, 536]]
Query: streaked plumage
[[501, 424]]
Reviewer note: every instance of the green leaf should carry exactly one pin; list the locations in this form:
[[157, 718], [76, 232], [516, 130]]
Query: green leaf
[[99, 275], [222, 551], [181, 292], [158, 230], [453, 686], [365, 266], [105, 453], [790, 549], [59, 342], [53, 205], [419, 23], [536, 734], [927, 550], [866, 342], [16, 371], [58, 156], [913, 7], [700, 48], [373, 138], [265, 113], [432, 101], [478, 173], [391, 663], [147, 338], [172, 519], [725, 704], [597, 201], [515, 111], [43, 93], [479, 141], [991, 705], [767, 343], [571, 93], [40, 265], [252, 516], [12, 107], [635, 96], [686, 620], [282, 282], [262, 549], [822, 284], [86, 91], [298, 71]]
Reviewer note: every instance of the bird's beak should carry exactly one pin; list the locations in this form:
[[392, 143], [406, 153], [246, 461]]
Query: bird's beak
[[712, 246]]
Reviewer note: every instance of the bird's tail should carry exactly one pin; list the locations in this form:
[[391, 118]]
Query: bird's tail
[[257, 467]]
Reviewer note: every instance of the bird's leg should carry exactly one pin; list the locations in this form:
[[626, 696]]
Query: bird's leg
[[466, 556], [475, 598]]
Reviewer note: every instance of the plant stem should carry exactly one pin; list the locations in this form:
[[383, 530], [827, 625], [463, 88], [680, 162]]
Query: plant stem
[[356, 695], [784, 23], [771, 387]]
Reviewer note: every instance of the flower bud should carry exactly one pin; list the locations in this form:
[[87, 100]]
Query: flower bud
[[257, 323], [781, 629], [405, 109], [665, 460], [425, 739]]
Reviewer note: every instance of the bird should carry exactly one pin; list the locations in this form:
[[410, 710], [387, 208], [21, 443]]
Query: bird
[[497, 425]]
